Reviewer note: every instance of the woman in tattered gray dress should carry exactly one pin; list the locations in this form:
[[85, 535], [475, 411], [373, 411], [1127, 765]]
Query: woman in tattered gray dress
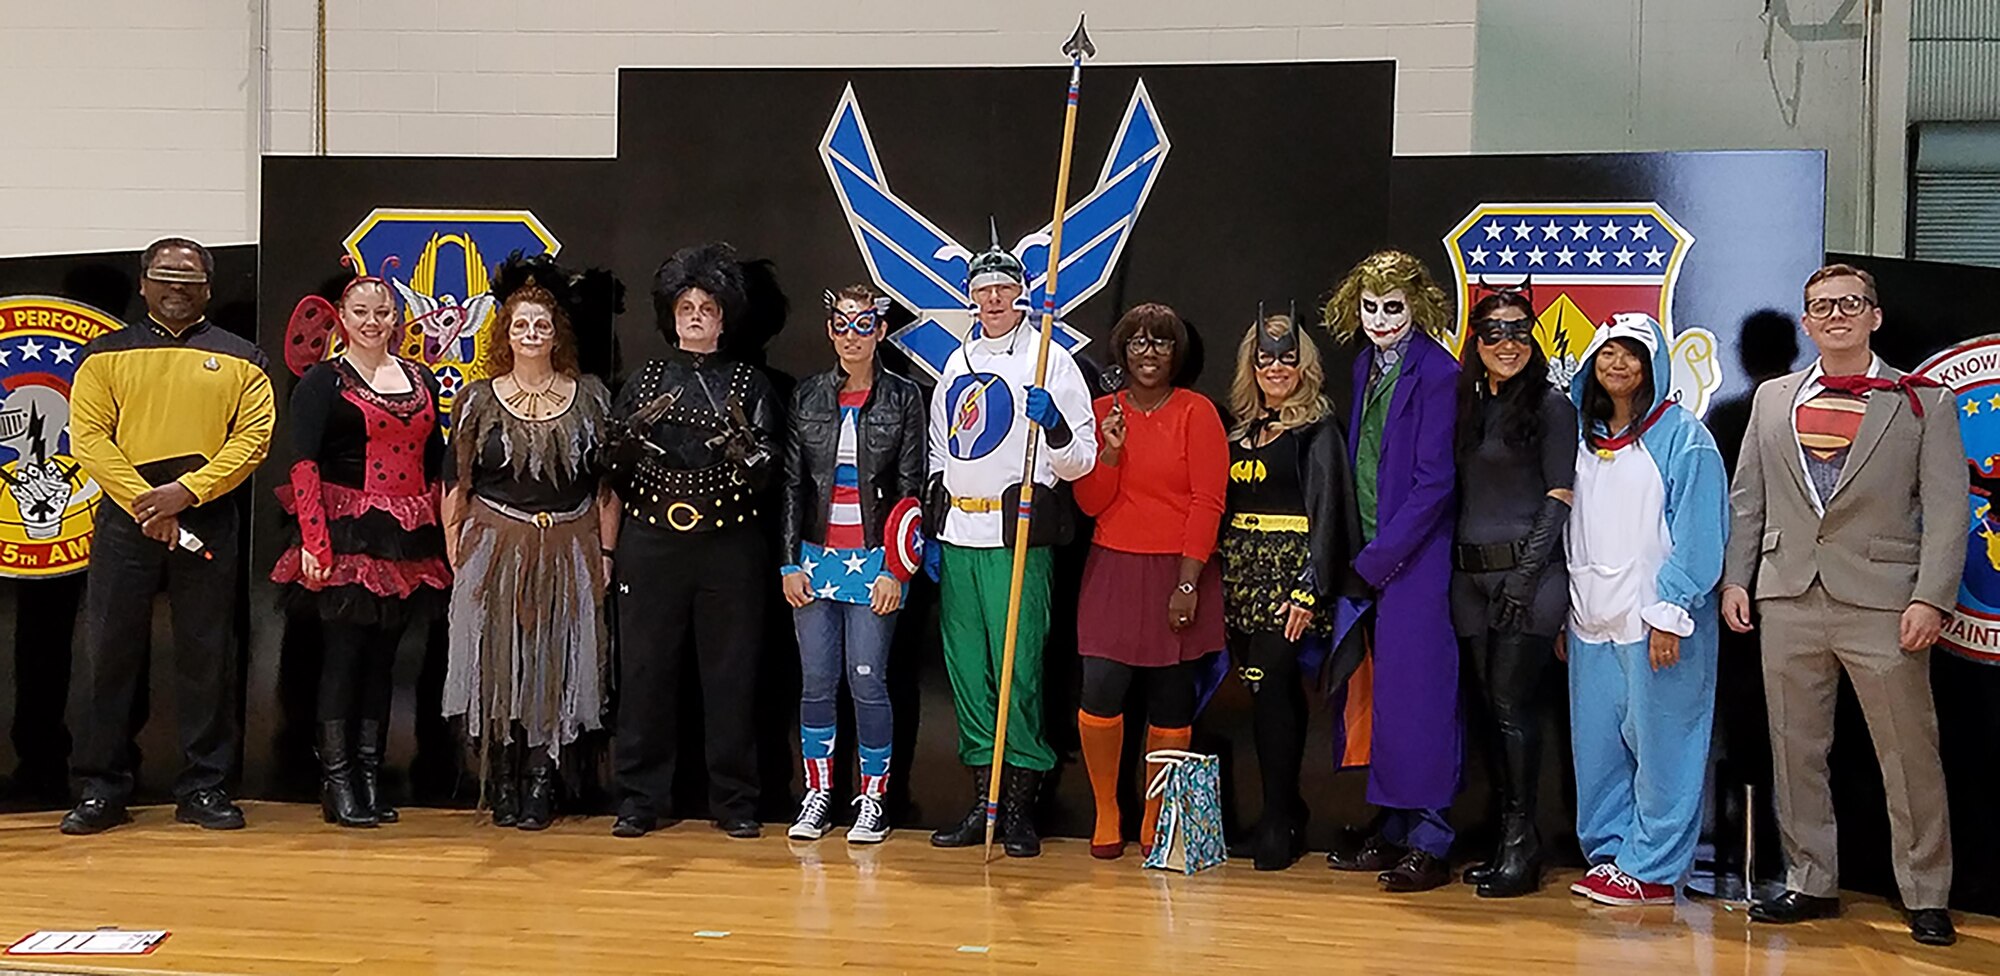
[[530, 528]]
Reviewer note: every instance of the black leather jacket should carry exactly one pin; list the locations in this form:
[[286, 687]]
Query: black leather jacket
[[890, 447], [693, 442]]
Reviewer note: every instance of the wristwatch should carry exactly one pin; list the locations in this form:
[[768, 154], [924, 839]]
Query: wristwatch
[[1185, 587]]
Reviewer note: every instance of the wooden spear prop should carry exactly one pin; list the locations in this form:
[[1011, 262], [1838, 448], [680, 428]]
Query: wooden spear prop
[[1078, 47]]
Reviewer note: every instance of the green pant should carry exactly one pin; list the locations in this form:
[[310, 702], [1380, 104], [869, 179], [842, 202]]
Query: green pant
[[974, 585]]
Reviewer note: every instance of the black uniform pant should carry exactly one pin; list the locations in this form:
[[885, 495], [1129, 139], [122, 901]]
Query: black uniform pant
[[679, 592], [126, 571]]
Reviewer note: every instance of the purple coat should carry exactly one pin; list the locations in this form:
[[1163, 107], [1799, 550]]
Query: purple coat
[[1416, 737]]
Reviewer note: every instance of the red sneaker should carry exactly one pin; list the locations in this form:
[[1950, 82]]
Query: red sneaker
[[1585, 885], [1619, 888]]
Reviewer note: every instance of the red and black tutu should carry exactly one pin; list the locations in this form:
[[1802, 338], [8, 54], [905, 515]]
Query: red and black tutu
[[364, 497]]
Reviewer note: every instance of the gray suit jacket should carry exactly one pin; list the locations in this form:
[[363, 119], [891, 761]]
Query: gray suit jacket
[[1894, 530]]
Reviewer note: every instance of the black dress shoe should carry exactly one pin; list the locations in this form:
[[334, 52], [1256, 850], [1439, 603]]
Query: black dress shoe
[[94, 815], [634, 824], [1374, 854], [1417, 871], [209, 810], [1794, 906], [741, 828], [1932, 927]]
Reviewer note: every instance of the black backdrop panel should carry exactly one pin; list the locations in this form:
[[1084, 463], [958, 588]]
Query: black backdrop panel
[[1274, 183], [41, 615]]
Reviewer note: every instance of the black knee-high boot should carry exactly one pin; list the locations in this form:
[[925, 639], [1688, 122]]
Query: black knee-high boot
[[1516, 663], [337, 802], [369, 742]]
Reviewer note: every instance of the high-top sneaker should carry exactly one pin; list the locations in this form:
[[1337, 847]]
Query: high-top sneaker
[[871, 824], [814, 816]]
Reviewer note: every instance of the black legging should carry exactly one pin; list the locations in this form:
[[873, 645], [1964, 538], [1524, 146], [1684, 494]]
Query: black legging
[[1269, 666], [1511, 668], [1169, 691], [357, 673]]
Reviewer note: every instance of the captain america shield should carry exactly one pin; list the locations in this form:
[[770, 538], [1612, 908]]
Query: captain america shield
[[904, 538]]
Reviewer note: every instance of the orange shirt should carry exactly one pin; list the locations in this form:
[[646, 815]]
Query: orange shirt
[[1165, 493]]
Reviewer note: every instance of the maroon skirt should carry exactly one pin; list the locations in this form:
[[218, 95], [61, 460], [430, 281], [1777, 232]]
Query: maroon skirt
[[1122, 610]]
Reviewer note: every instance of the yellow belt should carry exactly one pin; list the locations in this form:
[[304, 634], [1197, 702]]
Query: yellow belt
[[1269, 523], [975, 505]]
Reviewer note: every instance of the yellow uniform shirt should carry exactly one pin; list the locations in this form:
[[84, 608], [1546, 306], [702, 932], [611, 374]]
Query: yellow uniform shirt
[[148, 407]]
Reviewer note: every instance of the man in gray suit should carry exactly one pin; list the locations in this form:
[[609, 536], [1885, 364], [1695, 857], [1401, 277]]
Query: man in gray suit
[[1850, 516]]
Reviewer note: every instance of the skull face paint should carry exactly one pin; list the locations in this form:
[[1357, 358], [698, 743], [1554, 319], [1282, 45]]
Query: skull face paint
[[1385, 318]]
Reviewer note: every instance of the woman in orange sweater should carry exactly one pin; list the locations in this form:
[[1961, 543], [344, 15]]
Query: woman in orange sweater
[[1151, 602]]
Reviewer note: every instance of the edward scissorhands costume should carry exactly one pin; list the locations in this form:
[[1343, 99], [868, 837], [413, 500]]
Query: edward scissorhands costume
[[695, 443], [528, 650], [978, 440]]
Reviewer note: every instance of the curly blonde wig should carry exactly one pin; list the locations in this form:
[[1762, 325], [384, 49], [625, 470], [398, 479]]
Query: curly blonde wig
[[1382, 273]]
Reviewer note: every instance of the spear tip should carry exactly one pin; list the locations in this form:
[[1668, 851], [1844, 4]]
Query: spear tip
[[1079, 47]]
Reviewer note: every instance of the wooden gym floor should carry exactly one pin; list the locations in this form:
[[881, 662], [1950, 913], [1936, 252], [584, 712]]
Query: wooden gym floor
[[443, 893]]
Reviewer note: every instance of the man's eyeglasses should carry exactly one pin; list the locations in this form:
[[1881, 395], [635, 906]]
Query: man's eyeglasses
[[1144, 344], [1822, 308], [860, 323], [1265, 360], [1493, 332]]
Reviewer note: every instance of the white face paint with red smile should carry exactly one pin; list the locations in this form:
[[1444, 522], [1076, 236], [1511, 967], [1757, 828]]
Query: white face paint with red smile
[[1386, 318]]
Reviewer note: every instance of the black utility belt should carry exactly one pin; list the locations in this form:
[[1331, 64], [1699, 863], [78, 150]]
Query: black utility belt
[[693, 514], [1492, 557]]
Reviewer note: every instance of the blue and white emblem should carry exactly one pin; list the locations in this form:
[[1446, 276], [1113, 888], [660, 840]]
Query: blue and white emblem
[[924, 268]]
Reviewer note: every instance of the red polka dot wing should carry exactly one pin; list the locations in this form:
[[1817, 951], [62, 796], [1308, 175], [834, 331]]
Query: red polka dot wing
[[308, 333]]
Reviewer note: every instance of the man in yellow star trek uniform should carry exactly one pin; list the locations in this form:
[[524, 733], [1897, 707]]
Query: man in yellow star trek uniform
[[167, 415]]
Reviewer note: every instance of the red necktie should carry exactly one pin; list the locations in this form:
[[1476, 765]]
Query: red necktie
[[1861, 386]]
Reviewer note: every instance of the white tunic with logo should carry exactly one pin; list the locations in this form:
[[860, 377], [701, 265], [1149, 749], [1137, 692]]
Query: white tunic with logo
[[979, 427]]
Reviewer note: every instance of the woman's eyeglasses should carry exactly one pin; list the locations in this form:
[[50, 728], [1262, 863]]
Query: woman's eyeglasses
[[1144, 344], [1493, 332], [1822, 308]]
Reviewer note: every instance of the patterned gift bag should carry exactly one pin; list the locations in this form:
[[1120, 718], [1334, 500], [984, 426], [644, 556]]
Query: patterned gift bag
[[1188, 837]]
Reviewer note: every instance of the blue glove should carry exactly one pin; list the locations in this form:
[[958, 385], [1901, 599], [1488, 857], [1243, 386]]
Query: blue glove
[[1042, 409], [933, 558]]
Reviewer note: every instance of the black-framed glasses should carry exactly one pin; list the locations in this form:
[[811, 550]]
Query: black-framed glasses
[[1265, 360], [1493, 332], [1823, 308], [860, 323], [1144, 344]]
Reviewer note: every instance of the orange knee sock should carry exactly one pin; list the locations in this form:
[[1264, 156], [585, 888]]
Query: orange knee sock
[[1158, 738], [1103, 741]]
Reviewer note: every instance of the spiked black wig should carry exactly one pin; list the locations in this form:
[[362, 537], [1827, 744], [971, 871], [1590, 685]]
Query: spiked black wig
[[711, 267]]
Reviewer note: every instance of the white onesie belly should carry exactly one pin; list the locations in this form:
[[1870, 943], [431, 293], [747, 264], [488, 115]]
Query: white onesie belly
[[1617, 543]]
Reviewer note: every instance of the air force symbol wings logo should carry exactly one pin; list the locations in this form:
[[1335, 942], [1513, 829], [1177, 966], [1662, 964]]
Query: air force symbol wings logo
[[1584, 263], [441, 282], [924, 268]]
